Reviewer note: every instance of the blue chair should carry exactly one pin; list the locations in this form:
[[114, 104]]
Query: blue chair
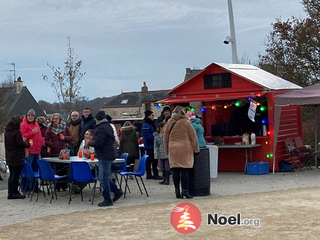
[[81, 173], [139, 173], [122, 167], [46, 174], [30, 175]]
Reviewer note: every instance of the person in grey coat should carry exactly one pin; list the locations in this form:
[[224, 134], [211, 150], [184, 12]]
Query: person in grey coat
[[159, 153]]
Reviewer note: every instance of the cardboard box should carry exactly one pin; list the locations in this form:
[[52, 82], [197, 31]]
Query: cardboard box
[[257, 168]]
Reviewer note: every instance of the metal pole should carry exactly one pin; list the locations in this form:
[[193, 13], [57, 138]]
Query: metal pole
[[316, 134], [232, 34], [14, 72]]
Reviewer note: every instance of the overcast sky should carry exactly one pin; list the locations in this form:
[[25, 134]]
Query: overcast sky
[[125, 43]]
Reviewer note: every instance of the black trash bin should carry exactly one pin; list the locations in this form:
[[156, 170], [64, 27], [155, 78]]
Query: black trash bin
[[200, 174]]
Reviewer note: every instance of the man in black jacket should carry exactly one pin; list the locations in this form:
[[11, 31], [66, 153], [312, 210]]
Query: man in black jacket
[[87, 122], [103, 144]]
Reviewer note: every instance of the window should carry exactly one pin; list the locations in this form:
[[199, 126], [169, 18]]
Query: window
[[124, 101], [213, 81], [148, 106]]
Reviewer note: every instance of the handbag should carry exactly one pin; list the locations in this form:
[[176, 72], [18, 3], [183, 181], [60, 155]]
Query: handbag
[[64, 150]]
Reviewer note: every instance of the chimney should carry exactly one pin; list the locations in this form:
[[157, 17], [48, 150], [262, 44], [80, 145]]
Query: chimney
[[144, 89], [19, 85], [187, 76]]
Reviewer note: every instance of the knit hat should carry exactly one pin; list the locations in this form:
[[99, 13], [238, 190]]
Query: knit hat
[[191, 115], [109, 118], [148, 113], [31, 112], [100, 115], [166, 109]]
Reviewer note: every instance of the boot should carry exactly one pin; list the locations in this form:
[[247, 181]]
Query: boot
[[185, 183], [186, 194], [163, 180], [166, 177], [178, 195]]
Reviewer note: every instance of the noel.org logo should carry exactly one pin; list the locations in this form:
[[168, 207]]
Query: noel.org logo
[[185, 218]]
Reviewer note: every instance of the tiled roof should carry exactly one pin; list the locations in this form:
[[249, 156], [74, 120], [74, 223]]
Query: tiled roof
[[136, 98], [13, 103]]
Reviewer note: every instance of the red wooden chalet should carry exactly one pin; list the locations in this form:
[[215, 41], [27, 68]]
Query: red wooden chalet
[[221, 93]]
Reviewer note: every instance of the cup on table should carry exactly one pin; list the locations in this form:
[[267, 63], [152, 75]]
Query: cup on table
[[92, 156], [64, 156], [80, 154]]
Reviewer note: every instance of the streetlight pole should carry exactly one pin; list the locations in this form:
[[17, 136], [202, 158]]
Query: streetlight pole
[[14, 70], [232, 34]]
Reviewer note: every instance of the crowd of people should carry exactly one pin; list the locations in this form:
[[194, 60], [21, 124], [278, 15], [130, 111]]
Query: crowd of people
[[170, 143]]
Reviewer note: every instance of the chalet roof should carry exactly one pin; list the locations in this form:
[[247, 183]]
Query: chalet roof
[[251, 73], [259, 76], [132, 99], [13, 103]]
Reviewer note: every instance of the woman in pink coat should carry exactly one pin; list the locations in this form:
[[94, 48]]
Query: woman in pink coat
[[31, 132]]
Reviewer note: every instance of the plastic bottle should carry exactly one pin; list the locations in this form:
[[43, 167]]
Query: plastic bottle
[[253, 138], [264, 130]]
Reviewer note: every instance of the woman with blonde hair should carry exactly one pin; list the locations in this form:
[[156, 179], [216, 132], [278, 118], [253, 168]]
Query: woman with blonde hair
[[56, 137], [180, 143]]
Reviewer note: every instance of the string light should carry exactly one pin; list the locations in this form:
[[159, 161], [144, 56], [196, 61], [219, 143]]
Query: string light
[[213, 107], [203, 109]]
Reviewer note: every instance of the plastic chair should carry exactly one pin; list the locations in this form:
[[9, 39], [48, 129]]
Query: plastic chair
[[28, 172], [139, 173], [81, 173], [46, 174], [122, 168]]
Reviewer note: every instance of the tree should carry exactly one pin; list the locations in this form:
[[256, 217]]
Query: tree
[[65, 82], [293, 47]]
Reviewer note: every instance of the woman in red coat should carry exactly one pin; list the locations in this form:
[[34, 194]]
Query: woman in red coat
[[31, 131], [56, 137], [14, 145]]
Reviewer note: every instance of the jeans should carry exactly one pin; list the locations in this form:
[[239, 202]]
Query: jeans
[[33, 161], [105, 179]]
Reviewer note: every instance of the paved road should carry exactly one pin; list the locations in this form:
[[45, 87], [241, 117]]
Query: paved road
[[227, 183], [4, 183]]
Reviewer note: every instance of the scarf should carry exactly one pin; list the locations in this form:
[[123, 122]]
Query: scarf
[[61, 127], [75, 123]]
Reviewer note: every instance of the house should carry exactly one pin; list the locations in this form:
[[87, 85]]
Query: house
[[15, 100], [222, 94], [130, 106]]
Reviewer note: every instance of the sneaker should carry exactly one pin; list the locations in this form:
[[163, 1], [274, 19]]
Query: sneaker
[[105, 204], [117, 196]]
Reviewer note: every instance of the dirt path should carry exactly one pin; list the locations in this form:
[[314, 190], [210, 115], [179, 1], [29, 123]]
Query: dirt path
[[288, 214]]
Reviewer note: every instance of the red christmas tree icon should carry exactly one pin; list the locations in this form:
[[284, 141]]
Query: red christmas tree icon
[[185, 221]]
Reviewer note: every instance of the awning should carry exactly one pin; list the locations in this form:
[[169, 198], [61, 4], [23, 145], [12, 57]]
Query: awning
[[208, 97]]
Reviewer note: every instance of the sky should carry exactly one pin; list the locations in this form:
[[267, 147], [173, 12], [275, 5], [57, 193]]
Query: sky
[[125, 43]]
